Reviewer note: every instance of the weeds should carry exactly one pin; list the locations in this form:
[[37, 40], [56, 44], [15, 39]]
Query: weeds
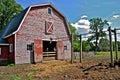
[[15, 78]]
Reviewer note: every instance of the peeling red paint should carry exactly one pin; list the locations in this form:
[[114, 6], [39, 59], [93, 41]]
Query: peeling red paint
[[60, 50], [38, 46]]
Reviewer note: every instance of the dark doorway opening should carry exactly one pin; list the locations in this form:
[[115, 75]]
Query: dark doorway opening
[[49, 50]]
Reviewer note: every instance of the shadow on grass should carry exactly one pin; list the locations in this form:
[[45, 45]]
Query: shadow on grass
[[7, 64]]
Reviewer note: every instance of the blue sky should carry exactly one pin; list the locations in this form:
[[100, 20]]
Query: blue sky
[[74, 9]]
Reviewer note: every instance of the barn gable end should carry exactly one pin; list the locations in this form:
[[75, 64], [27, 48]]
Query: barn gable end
[[44, 28]]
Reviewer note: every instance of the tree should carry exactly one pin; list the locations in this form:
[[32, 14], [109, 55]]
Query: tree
[[76, 42], [118, 42], [86, 46], [76, 45], [97, 26], [8, 10], [104, 44], [73, 31]]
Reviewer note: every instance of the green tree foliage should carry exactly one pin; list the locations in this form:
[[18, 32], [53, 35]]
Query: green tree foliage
[[76, 44], [73, 31], [118, 43], [104, 44], [97, 26], [86, 46], [8, 10]]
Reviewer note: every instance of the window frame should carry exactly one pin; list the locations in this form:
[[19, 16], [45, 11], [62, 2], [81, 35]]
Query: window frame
[[0, 51], [11, 48], [49, 10]]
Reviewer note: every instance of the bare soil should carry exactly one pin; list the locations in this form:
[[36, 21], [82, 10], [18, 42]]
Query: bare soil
[[92, 68]]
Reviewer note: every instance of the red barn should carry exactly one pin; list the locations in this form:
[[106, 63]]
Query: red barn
[[39, 33]]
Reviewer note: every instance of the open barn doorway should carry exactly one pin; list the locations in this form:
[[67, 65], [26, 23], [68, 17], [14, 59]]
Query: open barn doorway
[[49, 50]]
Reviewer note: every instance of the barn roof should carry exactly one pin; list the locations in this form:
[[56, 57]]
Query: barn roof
[[12, 26], [16, 22]]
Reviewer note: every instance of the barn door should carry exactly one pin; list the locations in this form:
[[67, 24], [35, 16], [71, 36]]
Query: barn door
[[60, 50], [31, 48], [38, 50]]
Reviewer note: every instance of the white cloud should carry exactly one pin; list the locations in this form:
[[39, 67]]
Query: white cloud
[[110, 23], [116, 16], [82, 25], [84, 16]]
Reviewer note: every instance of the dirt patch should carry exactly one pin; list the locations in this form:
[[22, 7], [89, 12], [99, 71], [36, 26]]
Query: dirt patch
[[93, 68]]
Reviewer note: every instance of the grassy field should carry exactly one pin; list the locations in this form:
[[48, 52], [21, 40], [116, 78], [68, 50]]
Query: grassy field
[[106, 54]]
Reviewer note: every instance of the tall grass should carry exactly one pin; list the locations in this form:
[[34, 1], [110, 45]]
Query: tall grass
[[107, 54]]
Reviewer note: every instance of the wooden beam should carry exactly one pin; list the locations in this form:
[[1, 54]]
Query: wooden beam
[[111, 48], [80, 48], [116, 46]]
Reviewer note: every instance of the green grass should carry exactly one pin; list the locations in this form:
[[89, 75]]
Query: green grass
[[15, 78], [106, 54], [1, 77]]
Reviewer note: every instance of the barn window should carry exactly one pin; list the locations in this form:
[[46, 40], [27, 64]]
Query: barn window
[[49, 27], [30, 46], [65, 47], [0, 51], [11, 48], [49, 11]]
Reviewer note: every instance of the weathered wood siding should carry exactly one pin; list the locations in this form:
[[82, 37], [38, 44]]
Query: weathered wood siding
[[33, 28]]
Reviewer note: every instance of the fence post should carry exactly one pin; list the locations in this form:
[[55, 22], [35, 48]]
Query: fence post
[[111, 48], [116, 46], [80, 48]]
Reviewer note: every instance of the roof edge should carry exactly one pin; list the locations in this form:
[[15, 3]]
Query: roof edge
[[22, 20], [8, 36], [29, 10], [19, 25]]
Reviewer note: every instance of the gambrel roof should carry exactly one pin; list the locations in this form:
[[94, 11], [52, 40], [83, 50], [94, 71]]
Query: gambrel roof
[[16, 23], [12, 26]]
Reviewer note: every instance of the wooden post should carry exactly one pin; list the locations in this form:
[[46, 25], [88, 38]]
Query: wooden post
[[80, 48], [71, 48], [111, 50], [116, 47]]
